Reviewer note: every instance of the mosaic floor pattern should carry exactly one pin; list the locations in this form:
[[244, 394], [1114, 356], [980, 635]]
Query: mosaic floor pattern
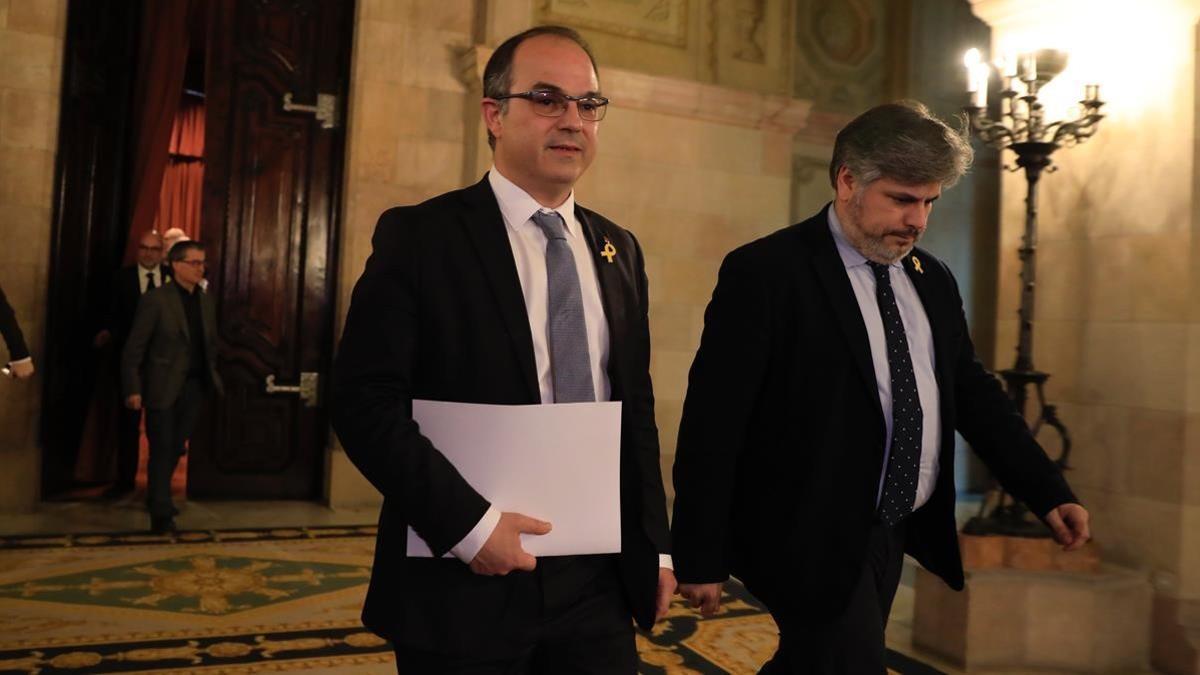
[[250, 601]]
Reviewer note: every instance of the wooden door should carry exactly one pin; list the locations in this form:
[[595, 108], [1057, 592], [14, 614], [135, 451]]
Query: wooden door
[[270, 214]]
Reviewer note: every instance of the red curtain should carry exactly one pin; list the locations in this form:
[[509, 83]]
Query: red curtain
[[163, 53], [165, 187], [179, 197]]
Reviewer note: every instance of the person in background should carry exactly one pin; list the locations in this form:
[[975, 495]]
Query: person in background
[[168, 366], [128, 286], [20, 363]]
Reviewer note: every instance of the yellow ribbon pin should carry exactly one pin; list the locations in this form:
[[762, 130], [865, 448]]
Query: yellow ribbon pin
[[609, 250], [917, 265]]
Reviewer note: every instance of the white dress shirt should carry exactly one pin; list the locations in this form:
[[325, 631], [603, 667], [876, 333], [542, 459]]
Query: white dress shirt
[[143, 280], [528, 244], [920, 347]]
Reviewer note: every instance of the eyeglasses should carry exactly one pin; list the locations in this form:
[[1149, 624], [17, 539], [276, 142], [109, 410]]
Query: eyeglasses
[[196, 264], [550, 103]]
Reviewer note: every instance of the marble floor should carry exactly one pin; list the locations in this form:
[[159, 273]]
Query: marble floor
[[129, 515]]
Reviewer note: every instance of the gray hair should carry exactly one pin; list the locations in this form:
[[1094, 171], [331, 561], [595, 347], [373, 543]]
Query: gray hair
[[497, 75], [904, 142]]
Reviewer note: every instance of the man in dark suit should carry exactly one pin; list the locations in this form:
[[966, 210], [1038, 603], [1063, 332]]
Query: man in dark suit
[[817, 439], [505, 292], [168, 366], [20, 363], [128, 286]]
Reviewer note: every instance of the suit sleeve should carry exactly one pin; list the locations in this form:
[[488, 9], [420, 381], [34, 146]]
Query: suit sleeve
[[372, 396], [641, 398], [989, 420], [144, 321], [17, 350], [723, 385]]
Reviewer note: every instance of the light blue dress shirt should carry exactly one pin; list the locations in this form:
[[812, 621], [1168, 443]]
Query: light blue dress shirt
[[920, 346]]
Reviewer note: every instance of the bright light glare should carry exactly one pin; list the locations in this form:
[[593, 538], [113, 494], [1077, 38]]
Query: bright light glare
[[1135, 52]]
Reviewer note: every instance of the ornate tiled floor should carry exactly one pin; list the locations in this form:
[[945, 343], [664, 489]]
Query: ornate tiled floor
[[242, 601]]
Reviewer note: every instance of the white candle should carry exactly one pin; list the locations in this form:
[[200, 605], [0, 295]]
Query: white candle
[[1029, 66], [976, 83]]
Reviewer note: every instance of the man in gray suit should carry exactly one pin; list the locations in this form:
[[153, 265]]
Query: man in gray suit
[[169, 365]]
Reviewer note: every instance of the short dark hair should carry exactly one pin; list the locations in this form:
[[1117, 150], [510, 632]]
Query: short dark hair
[[179, 251], [902, 141], [497, 75]]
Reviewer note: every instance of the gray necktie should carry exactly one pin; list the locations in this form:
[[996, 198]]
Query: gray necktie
[[570, 363]]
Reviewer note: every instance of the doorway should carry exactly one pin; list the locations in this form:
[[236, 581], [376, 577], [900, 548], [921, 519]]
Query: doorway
[[268, 213]]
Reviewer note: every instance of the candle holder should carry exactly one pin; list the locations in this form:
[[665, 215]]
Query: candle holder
[[1022, 128]]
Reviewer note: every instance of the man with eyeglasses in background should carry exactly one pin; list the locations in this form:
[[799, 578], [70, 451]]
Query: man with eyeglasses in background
[[168, 366], [128, 286], [505, 292]]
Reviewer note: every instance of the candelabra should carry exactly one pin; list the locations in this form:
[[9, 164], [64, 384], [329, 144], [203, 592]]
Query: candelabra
[[1022, 128]]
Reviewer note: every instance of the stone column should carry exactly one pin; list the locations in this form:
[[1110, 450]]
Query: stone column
[[1118, 303], [31, 46]]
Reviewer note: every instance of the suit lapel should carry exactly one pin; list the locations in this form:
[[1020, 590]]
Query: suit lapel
[[609, 277], [485, 227], [933, 311], [175, 306], [831, 273]]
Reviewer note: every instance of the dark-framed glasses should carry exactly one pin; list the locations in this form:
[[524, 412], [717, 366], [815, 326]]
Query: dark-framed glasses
[[550, 103], [195, 264]]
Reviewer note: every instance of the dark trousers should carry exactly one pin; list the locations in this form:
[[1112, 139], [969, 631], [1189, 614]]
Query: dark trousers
[[585, 627], [853, 643], [128, 442], [168, 429]]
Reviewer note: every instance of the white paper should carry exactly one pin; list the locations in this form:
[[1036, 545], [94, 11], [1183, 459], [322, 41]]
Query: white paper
[[559, 463]]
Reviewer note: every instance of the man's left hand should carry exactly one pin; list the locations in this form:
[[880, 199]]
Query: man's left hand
[[1069, 523], [666, 589]]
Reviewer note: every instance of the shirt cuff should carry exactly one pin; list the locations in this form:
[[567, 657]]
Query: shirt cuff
[[664, 560], [468, 548], [27, 359]]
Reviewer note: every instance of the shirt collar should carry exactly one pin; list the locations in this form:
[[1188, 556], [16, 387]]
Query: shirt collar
[[850, 255], [518, 207], [152, 270]]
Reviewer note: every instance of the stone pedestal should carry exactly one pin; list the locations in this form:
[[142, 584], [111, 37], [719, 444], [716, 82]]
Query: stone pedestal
[[1009, 618]]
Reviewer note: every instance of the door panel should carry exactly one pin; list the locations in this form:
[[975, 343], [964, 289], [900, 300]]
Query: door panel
[[270, 219]]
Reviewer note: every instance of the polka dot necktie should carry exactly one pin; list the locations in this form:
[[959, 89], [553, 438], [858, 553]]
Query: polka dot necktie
[[900, 482], [570, 360]]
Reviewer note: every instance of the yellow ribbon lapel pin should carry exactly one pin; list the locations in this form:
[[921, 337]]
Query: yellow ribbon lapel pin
[[917, 265], [609, 250]]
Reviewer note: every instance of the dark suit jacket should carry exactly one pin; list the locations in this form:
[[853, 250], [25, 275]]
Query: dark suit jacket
[[11, 331], [155, 360], [439, 314], [123, 300], [781, 443]]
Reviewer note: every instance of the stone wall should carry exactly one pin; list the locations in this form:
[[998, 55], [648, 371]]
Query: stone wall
[[1117, 320], [31, 45]]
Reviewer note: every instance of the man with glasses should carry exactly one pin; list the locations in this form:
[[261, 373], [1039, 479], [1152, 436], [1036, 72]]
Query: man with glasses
[[128, 286], [505, 292], [168, 366]]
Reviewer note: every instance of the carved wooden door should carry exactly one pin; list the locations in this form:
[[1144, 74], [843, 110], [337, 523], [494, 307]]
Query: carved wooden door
[[277, 74]]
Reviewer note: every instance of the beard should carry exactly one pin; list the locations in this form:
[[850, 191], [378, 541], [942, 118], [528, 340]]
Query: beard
[[875, 247]]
